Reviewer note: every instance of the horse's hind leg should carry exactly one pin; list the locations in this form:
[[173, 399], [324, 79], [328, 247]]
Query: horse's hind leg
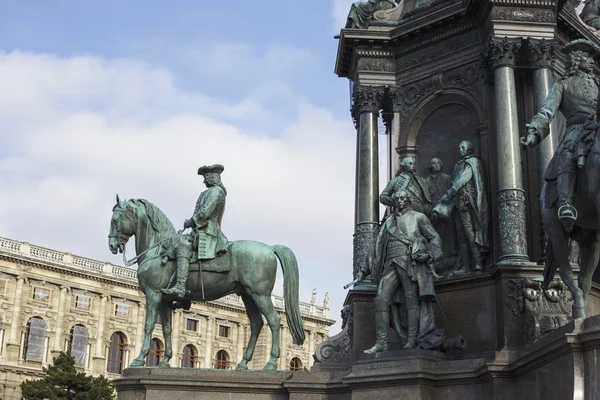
[[256, 324], [590, 255], [152, 303], [266, 307], [561, 252], [166, 320]]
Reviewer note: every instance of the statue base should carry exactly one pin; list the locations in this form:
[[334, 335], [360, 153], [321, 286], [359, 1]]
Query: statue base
[[561, 365]]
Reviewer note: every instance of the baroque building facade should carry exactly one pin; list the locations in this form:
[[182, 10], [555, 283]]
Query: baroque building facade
[[52, 301]]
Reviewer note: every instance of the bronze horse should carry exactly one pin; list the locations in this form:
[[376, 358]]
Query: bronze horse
[[586, 232], [251, 275]]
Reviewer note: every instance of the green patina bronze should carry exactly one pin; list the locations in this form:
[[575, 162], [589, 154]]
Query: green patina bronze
[[250, 270]]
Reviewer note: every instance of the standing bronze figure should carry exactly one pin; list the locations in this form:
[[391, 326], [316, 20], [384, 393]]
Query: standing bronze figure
[[407, 246], [361, 12], [563, 193], [470, 214], [412, 183]]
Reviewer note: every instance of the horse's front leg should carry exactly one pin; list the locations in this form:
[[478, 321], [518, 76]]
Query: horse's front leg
[[152, 304], [166, 320]]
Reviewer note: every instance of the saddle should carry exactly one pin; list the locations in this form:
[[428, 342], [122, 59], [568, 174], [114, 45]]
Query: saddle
[[221, 263]]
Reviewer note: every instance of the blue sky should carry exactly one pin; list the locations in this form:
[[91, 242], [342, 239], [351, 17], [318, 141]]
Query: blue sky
[[91, 91]]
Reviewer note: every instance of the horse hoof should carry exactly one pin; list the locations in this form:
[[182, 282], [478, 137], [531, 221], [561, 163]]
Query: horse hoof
[[241, 367], [163, 364], [270, 367], [136, 364]]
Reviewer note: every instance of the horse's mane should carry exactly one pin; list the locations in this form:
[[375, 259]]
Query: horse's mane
[[159, 221]]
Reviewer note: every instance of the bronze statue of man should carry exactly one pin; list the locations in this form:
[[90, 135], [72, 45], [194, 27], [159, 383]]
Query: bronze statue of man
[[590, 14], [470, 215], [406, 247], [361, 12], [438, 183], [206, 225], [411, 182], [575, 96]]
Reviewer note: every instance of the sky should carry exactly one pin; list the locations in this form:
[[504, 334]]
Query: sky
[[131, 97]]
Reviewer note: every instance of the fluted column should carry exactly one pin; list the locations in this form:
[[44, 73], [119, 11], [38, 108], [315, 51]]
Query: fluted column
[[311, 350], [208, 343], [175, 345], [511, 196], [57, 345], [399, 111], [13, 344], [99, 358], [139, 333], [542, 57], [367, 102], [240, 343]]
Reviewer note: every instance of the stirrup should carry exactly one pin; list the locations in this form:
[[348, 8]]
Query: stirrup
[[567, 214]]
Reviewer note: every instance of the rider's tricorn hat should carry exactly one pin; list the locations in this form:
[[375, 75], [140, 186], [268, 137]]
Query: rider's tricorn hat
[[210, 169], [582, 45]]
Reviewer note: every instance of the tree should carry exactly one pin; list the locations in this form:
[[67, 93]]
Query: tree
[[62, 381]]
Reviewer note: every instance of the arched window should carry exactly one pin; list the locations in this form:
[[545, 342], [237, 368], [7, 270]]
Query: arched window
[[189, 357], [116, 353], [155, 355], [222, 360], [78, 342], [295, 364], [34, 343]]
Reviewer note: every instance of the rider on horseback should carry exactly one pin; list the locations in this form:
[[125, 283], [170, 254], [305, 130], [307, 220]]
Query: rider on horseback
[[575, 95], [206, 224]]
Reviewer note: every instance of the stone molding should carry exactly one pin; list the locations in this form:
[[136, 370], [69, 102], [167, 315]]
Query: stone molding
[[367, 99], [512, 226], [542, 54], [502, 52], [520, 14]]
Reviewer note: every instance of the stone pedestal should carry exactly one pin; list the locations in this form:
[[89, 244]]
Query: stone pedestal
[[561, 365]]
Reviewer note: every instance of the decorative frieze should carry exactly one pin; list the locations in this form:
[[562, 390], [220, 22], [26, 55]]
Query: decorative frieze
[[375, 60], [542, 54], [511, 222], [521, 14], [502, 52]]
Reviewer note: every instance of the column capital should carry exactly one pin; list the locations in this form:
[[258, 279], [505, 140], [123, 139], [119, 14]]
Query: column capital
[[397, 100], [367, 99], [542, 53], [502, 52]]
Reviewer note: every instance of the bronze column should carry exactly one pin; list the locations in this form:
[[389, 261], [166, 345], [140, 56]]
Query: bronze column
[[501, 54], [366, 106]]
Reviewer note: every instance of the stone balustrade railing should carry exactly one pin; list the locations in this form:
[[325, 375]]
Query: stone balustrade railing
[[43, 255]]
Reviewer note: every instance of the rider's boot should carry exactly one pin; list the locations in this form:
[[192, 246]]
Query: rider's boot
[[476, 256], [567, 214], [183, 265], [382, 323]]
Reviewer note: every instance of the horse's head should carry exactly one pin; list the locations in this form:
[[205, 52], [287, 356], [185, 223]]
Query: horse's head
[[122, 226]]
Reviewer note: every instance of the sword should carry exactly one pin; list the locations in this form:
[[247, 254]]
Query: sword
[[351, 283]]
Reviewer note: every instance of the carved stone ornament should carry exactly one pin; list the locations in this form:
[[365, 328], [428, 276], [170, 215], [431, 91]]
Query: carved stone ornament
[[542, 54], [337, 349], [367, 98], [365, 236], [542, 310], [502, 53], [375, 60], [511, 220], [523, 14]]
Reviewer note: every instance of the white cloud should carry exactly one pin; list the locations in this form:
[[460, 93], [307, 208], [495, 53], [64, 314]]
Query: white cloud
[[78, 130]]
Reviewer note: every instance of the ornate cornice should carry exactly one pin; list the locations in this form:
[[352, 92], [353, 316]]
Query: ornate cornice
[[367, 99], [502, 52], [542, 54], [520, 14]]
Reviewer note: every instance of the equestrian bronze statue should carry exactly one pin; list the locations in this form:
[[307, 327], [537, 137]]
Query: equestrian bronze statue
[[569, 199], [170, 274]]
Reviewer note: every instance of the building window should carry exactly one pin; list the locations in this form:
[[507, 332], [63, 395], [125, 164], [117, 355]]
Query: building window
[[223, 331], [122, 311], [82, 302], [2, 286], [189, 357], [116, 353], [191, 325], [295, 364], [78, 342], [34, 340], [222, 360], [41, 294], [155, 355]]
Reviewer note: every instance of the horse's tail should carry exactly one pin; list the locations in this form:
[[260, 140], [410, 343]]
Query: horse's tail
[[550, 266], [289, 265]]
